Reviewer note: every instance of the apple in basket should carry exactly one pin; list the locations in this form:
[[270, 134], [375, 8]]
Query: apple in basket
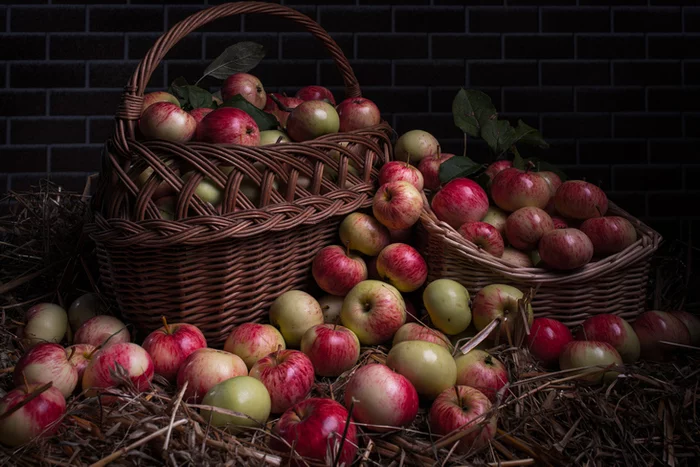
[[248, 86], [170, 345], [613, 330], [39, 416], [47, 363], [577, 199], [380, 398], [204, 369], [430, 168], [294, 312], [253, 341], [497, 218], [281, 106], [167, 121], [547, 339], [396, 171], [333, 349], [199, 113], [116, 364], [228, 125], [158, 96], [447, 303], [337, 271], [516, 258], [481, 370], [356, 113], [312, 119], [274, 137], [45, 322], [600, 355], [429, 367], [364, 233], [526, 226], [483, 235], [565, 249], [653, 328], [497, 167], [512, 189], [610, 234], [288, 376], [242, 394], [402, 266], [499, 300], [315, 93], [420, 332], [374, 311], [397, 205], [413, 146], [102, 329], [461, 200]]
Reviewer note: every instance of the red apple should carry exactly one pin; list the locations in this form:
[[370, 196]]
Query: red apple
[[80, 355], [200, 112], [402, 266], [496, 217], [44, 363], [461, 200], [170, 346], [253, 341], [512, 189], [498, 300], [204, 369], [653, 328], [380, 398], [282, 114], [397, 205], [613, 330], [483, 235], [336, 271], [356, 113], [396, 171], [288, 376], [565, 249], [227, 125], [526, 226], [158, 96], [554, 183], [332, 349], [481, 370], [579, 354], [364, 233], [516, 258], [102, 373], [609, 235], [430, 168], [580, 200], [497, 167], [374, 311], [37, 417], [315, 93], [100, 329], [559, 223], [463, 408], [420, 332], [547, 340], [167, 121], [315, 426], [415, 145], [312, 119], [248, 86], [692, 322]]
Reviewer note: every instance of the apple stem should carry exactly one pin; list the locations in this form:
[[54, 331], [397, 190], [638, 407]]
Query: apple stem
[[439, 151], [347, 248], [488, 360], [26, 383], [335, 324], [597, 208], [72, 352], [165, 325], [276, 100], [464, 152]]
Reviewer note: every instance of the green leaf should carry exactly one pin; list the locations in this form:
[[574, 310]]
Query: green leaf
[[529, 135], [499, 135], [264, 120], [190, 96], [458, 167], [471, 109], [544, 166], [484, 181], [519, 162], [238, 58]]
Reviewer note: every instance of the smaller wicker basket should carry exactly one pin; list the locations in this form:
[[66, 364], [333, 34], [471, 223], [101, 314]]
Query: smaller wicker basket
[[616, 284]]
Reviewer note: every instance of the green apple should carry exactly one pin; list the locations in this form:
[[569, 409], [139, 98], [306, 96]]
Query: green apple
[[273, 137], [496, 217], [364, 233], [243, 394], [428, 366], [294, 312], [414, 145], [447, 302], [207, 190], [45, 322]]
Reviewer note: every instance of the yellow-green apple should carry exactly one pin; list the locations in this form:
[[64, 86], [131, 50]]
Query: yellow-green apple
[[397, 205], [429, 367], [692, 322], [44, 322], [143, 177], [79, 355], [206, 189], [402, 266], [512, 189], [364, 233], [463, 408], [312, 119], [170, 345], [496, 217], [461, 200], [228, 125], [447, 302], [314, 427], [288, 376], [242, 394], [333, 349], [356, 113], [100, 329], [83, 308], [200, 112], [167, 121], [483, 235], [158, 96], [294, 312], [253, 341], [610, 234], [331, 305], [430, 168], [547, 339], [497, 167], [204, 369], [281, 112], [580, 354], [655, 327], [396, 171], [415, 145], [613, 330], [45, 363], [498, 300], [273, 137], [374, 311], [560, 223], [380, 398], [102, 373], [565, 249], [516, 258], [315, 93], [337, 271], [577, 199], [420, 332], [526, 226], [481, 370], [248, 86], [38, 416]]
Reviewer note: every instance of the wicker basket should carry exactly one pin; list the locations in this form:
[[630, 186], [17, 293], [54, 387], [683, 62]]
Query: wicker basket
[[616, 284], [220, 266]]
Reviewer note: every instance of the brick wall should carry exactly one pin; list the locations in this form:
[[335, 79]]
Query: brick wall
[[615, 86]]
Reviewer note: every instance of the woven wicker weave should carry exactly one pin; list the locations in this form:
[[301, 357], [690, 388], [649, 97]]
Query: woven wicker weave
[[219, 266], [616, 284]]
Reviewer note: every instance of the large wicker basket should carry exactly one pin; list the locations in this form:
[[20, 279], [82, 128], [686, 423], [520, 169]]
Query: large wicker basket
[[220, 266], [616, 284]]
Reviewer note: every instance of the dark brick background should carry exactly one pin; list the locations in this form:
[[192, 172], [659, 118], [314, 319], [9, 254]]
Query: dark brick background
[[615, 86]]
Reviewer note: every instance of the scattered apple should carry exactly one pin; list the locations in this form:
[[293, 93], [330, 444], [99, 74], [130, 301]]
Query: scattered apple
[[447, 303], [337, 271], [402, 266], [294, 312], [228, 125], [170, 345], [288, 376], [331, 305], [498, 300], [613, 330], [248, 86], [415, 145], [100, 329], [483, 235], [167, 121], [333, 349], [481, 370], [374, 311], [420, 332], [102, 373], [463, 408], [364, 233], [37, 417], [461, 200], [397, 171], [580, 200], [653, 328], [609, 235], [80, 355], [565, 249], [526, 226], [356, 113], [547, 339], [253, 341], [312, 119], [204, 369], [315, 93], [512, 189], [45, 322], [430, 168], [243, 394], [496, 217], [429, 367], [47, 363], [83, 308], [692, 322], [579, 354], [397, 205]]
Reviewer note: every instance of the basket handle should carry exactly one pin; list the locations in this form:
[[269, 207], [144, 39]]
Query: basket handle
[[132, 99]]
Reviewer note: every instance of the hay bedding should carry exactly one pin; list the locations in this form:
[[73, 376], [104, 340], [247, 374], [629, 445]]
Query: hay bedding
[[648, 416]]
